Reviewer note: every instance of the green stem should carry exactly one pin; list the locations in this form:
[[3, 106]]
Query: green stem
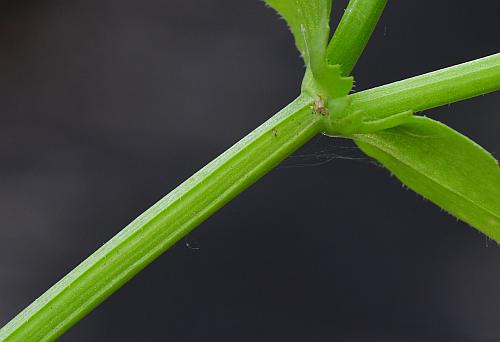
[[153, 232], [354, 31], [431, 90]]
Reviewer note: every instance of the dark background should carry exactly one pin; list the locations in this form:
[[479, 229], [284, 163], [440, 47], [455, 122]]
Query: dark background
[[105, 106]]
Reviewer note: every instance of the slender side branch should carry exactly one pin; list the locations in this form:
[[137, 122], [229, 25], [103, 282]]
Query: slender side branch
[[433, 89], [153, 232], [354, 31]]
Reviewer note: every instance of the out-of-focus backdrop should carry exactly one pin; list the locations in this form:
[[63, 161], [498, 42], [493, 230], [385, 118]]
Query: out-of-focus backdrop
[[105, 106]]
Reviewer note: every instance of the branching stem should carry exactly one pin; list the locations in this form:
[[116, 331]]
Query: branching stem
[[153, 232]]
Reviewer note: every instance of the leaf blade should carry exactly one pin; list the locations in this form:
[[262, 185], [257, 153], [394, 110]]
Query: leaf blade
[[443, 166], [308, 21]]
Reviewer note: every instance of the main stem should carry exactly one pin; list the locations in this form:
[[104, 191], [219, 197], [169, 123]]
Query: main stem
[[163, 224]]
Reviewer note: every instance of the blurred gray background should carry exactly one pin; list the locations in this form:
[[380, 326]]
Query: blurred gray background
[[105, 106]]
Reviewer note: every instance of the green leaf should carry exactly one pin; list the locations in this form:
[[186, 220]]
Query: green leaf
[[443, 166], [309, 22]]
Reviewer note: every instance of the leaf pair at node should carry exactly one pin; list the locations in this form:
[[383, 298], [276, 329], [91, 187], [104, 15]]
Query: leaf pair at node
[[429, 157], [309, 23]]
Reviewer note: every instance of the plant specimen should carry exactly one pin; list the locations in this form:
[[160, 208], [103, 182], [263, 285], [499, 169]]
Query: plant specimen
[[429, 157]]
